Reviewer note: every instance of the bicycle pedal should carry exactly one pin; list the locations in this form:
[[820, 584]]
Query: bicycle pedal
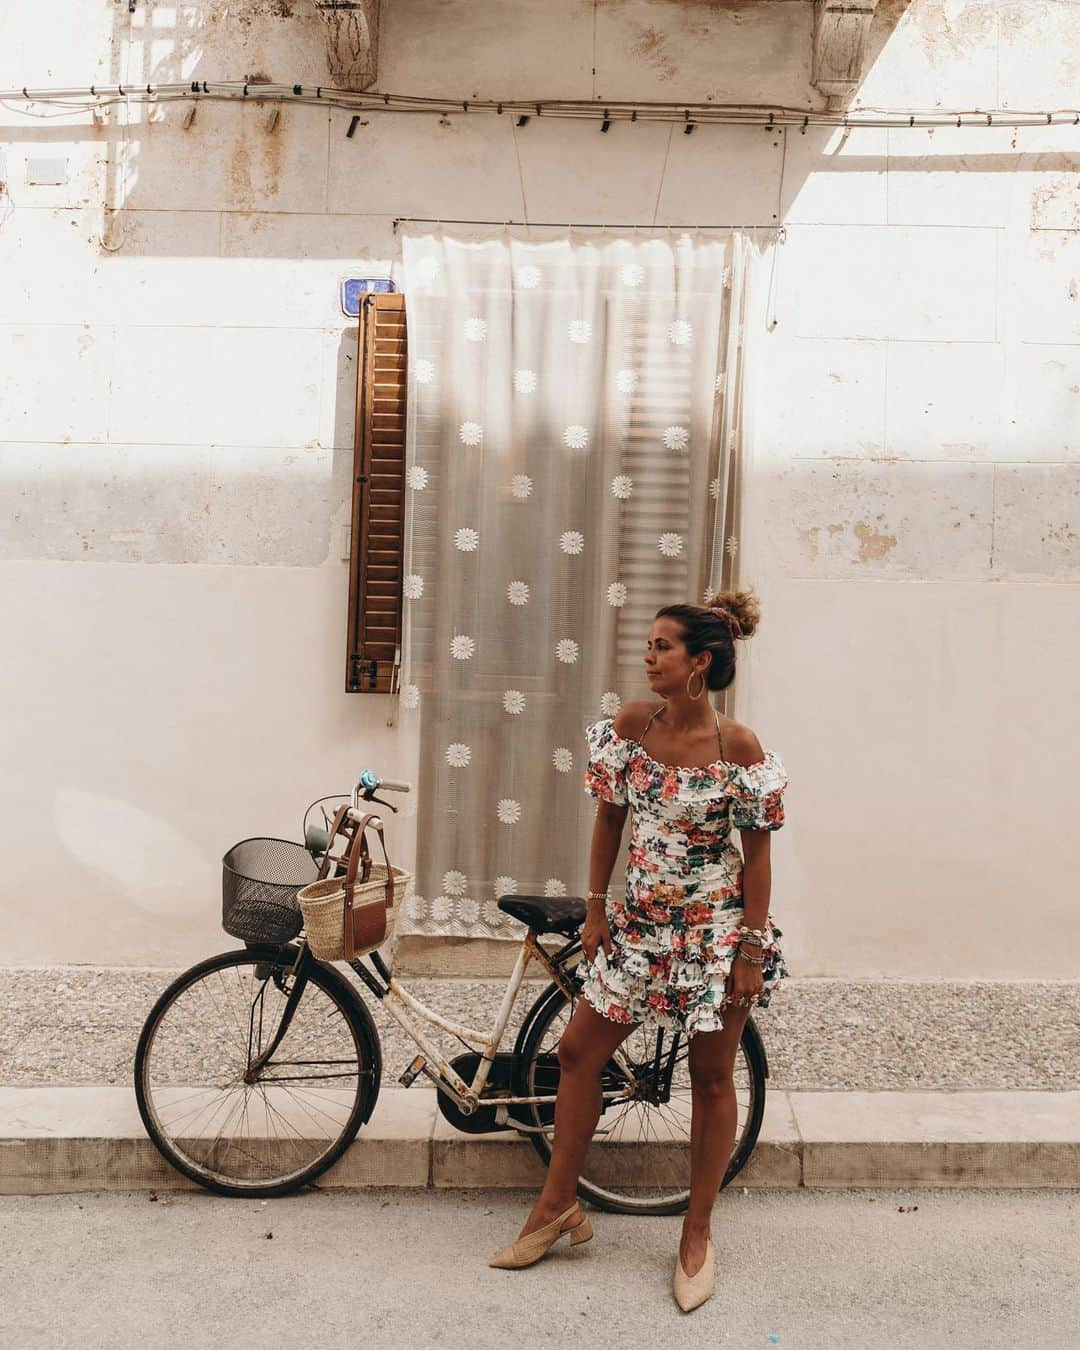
[[410, 1075]]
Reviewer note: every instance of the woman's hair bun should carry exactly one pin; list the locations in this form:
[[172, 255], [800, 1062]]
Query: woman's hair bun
[[743, 606]]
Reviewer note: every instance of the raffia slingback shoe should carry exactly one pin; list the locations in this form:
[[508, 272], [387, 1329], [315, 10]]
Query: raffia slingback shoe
[[525, 1250], [692, 1290]]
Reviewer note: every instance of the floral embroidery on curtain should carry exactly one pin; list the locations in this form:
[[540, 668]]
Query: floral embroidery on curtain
[[572, 464]]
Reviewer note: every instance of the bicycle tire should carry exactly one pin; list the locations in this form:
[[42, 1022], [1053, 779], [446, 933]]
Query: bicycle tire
[[273, 961], [537, 1024]]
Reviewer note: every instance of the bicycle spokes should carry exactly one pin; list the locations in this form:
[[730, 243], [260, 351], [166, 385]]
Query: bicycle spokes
[[250, 1080]]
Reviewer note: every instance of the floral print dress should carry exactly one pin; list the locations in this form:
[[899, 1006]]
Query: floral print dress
[[674, 931]]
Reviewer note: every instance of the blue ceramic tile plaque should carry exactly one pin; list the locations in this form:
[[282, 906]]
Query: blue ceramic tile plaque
[[354, 287]]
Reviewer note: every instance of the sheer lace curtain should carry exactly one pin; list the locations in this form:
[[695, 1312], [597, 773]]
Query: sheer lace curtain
[[572, 464]]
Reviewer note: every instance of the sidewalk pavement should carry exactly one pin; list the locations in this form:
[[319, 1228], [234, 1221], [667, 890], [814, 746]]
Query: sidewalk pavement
[[401, 1269], [57, 1139]]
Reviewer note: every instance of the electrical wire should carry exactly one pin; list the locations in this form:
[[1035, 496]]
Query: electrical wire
[[768, 116]]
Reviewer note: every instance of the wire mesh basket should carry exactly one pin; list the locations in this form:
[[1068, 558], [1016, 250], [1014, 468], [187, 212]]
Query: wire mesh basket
[[259, 882]]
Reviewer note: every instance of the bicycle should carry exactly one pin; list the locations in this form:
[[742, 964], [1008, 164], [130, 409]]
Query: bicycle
[[256, 1068]]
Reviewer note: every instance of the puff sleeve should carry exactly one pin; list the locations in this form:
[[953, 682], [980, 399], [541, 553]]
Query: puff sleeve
[[605, 776], [756, 794]]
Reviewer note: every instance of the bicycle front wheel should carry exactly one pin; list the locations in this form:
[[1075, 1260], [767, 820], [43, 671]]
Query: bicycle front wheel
[[639, 1159], [253, 1078]]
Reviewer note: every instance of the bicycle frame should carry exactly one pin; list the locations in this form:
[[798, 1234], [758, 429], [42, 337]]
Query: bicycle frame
[[405, 1007], [402, 1006]]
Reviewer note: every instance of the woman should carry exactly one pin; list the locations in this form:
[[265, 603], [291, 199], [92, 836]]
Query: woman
[[691, 946]]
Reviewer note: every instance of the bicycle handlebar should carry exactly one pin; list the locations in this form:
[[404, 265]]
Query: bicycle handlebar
[[369, 782]]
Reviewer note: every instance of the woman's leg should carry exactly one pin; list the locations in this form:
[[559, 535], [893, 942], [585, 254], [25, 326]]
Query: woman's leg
[[587, 1044], [712, 1128]]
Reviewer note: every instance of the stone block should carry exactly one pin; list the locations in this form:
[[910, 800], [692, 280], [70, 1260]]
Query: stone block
[[459, 167], [945, 401], [846, 518], [952, 175], [1040, 403], [834, 176], [445, 47], [227, 160], [926, 55], [940, 1139], [277, 507], [54, 382], [104, 503], [394, 1147], [717, 176], [894, 281], [822, 398], [715, 52], [1037, 521], [1035, 45], [616, 178], [217, 386], [1042, 279], [498, 1158]]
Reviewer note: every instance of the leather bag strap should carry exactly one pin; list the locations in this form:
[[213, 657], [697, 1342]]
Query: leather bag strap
[[358, 854], [340, 817]]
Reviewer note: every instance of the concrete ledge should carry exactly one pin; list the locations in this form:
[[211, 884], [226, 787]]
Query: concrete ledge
[[62, 1139]]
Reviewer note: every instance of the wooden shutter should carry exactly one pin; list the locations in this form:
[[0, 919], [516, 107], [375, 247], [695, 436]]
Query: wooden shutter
[[378, 503]]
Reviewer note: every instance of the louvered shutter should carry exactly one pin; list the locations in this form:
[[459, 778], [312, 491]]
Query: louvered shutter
[[375, 571], [688, 494]]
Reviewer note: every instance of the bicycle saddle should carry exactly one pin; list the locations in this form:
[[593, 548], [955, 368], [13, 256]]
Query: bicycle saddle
[[546, 913]]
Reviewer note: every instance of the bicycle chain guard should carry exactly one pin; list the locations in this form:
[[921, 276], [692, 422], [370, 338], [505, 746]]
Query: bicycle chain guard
[[482, 1121]]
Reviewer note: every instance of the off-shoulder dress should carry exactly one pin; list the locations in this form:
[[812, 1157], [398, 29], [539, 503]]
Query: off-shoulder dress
[[674, 930]]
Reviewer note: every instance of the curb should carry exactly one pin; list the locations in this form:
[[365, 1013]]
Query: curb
[[59, 1139]]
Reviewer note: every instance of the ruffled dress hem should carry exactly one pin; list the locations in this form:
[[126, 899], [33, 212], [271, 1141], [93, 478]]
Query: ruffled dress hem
[[681, 993]]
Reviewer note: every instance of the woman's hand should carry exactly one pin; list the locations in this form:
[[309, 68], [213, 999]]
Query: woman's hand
[[743, 981], [596, 933]]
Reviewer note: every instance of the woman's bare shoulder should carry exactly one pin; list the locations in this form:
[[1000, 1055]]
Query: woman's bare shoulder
[[741, 745], [631, 718]]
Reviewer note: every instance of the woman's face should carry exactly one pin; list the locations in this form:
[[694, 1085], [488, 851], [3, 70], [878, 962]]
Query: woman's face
[[668, 665]]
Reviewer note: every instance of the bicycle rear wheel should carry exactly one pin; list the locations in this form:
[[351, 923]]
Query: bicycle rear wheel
[[639, 1159], [234, 1124]]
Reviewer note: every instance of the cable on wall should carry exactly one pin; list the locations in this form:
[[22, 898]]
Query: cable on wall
[[690, 115]]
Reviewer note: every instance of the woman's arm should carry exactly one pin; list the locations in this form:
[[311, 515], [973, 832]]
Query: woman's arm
[[744, 748], [606, 838], [757, 876]]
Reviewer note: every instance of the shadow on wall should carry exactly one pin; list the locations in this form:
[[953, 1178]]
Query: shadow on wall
[[188, 501]]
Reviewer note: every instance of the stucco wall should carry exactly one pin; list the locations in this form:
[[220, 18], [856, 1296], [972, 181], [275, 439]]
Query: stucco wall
[[176, 430]]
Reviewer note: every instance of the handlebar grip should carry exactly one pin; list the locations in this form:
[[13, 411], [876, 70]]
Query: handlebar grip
[[394, 785]]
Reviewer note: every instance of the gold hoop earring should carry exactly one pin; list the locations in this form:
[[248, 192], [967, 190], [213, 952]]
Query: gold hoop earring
[[701, 690]]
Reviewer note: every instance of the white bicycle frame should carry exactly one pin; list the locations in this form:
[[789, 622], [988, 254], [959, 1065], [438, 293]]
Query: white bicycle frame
[[401, 1005]]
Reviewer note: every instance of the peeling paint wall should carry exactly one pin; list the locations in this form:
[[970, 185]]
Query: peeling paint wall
[[176, 395]]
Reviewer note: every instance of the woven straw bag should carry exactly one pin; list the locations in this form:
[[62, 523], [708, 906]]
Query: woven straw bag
[[346, 917]]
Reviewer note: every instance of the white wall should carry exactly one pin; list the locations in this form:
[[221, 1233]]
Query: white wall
[[176, 432]]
